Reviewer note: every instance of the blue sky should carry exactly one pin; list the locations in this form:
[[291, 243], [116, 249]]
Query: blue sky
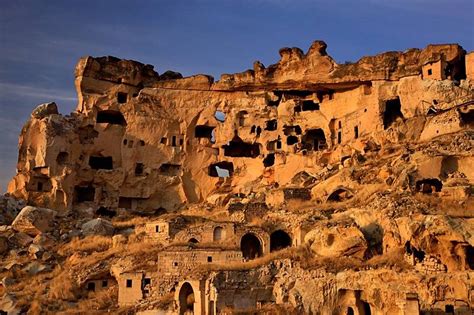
[[41, 40]]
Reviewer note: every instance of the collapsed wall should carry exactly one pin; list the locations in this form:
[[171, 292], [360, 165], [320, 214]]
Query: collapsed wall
[[143, 141]]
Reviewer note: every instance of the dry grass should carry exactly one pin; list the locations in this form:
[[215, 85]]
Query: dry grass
[[393, 260], [62, 287], [86, 245], [439, 205], [96, 303], [122, 223]]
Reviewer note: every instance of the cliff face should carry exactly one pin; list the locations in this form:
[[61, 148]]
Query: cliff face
[[158, 141], [307, 185]]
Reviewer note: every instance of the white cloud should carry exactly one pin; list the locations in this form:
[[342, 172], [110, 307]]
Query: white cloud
[[31, 91]]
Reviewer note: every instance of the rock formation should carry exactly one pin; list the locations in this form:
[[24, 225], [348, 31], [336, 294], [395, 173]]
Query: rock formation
[[304, 187]]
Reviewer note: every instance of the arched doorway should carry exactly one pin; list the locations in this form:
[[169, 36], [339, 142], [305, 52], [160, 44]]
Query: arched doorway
[[279, 240], [193, 240], [350, 311], [218, 234], [186, 299], [250, 246]]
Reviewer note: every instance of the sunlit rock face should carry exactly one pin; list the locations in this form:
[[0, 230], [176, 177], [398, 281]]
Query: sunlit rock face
[[308, 186], [144, 141]]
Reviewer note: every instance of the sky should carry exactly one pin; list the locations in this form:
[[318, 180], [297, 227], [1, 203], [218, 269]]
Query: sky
[[41, 40]]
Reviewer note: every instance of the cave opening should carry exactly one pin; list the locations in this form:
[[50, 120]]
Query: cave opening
[[467, 116], [62, 158], [84, 193], [103, 211], [392, 113], [271, 125], [238, 148], [279, 240], [220, 116], [186, 299], [250, 246], [269, 160], [139, 168], [242, 116], [339, 195], [429, 185], [306, 105], [221, 169], [121, 97], [470, 256], [366, 307], [112, 117], [276, 101], [101, 162], [274, 145], [169, 169], [203, 131], [314, 139], [294, 94], [290, 140]]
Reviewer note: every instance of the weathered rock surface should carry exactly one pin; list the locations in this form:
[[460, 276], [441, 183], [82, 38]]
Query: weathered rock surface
[[34, 220], [337, 241], [45, 110], [304, 187], [98, 227]]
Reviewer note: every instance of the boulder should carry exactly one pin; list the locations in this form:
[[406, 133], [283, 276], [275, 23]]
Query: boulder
[[33, 220], [98, 227], [337, 241], [44, 110], [33, 268]]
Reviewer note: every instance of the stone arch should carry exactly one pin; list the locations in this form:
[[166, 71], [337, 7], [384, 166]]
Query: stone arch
[[186, 299], [350, 311], [279, 239], [218, 234], [251, 246], [193, 240]]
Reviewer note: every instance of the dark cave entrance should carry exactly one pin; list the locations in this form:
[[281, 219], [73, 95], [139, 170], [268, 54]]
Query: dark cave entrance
[[314, 139], [221, 169], [186, 299], [238, 148], [393, 112], [101, 162], [111, 117], [429, 185], [250, 246], [84, 193], [279, 240]]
